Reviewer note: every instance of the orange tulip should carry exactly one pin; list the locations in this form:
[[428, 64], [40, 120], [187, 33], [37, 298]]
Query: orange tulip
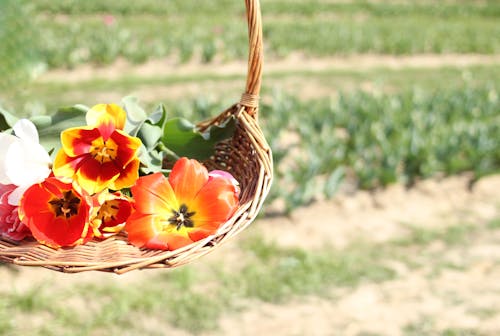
[[56, 213], [100, 155], [189, 206]]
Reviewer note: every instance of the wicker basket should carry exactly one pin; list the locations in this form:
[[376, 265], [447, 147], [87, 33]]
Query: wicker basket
[[247, 156]]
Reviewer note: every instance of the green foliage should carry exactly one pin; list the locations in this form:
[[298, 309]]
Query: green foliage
[[379, 139], [49, 127]]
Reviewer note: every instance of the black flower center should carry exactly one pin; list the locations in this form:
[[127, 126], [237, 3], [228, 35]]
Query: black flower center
[[66, 206], [182, 218]]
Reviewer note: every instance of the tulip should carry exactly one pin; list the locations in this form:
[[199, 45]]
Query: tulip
[[188, 206], [101, 155]]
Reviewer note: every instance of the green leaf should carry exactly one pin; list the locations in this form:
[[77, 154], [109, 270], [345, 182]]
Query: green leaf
[[334, 181], [159, 116], [181, 136], [7, 120], [151, 160], [41, 121], [64, 118], [150, 135], [135, 115]]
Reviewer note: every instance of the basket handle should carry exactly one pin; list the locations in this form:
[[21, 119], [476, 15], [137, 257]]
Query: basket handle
[[250, 98]]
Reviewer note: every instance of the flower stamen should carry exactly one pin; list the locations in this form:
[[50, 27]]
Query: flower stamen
[[103, 152], [108, 211], [66, 206], [182, 218]]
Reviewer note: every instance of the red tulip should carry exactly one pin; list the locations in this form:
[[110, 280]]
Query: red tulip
[[56, 213]]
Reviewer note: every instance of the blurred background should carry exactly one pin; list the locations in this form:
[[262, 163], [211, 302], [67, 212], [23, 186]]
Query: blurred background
[[384, 119]]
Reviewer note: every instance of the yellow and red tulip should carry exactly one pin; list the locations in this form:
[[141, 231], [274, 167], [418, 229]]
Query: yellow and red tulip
[[56, 213], [100, 155], [189, 206], [111, 211]]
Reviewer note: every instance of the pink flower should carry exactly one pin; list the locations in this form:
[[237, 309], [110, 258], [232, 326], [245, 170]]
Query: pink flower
[[225, 175], [10, 224], [109, 20]]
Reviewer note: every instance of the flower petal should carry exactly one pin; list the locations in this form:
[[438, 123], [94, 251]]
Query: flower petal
[[26, 131], [215, 203], [106, 117], [199, 234], [94, 177], [154, 195], [141, 228], [5, 141], [187, 178], [78, 140], [145, 231], [225, 175], [110, 216], [127, 147], [16, 195], [168, 241], [65, 166], [127, 177], [27, 163]]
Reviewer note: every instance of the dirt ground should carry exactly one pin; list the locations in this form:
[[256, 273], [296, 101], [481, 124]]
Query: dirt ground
[[295, 62]]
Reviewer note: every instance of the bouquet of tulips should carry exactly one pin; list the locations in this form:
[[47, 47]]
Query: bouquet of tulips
[[108, 176]]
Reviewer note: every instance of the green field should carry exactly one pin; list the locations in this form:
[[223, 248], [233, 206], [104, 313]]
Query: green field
[[334, 129]]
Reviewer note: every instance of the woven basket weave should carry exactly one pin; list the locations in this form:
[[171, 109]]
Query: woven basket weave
[[247, 156]]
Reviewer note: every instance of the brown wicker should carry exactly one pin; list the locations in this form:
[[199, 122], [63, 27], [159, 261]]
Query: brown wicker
[[247, 156]]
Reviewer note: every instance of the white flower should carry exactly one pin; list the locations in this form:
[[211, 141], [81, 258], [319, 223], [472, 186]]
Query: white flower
[[23, 161]]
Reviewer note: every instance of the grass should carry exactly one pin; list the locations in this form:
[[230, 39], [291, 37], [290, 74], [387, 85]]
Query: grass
[[426, 326], [451, 236], [193, 298]]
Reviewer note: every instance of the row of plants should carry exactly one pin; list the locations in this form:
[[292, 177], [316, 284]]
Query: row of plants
[[487, 8], [378, 139], [213, 30], [370, 139]]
